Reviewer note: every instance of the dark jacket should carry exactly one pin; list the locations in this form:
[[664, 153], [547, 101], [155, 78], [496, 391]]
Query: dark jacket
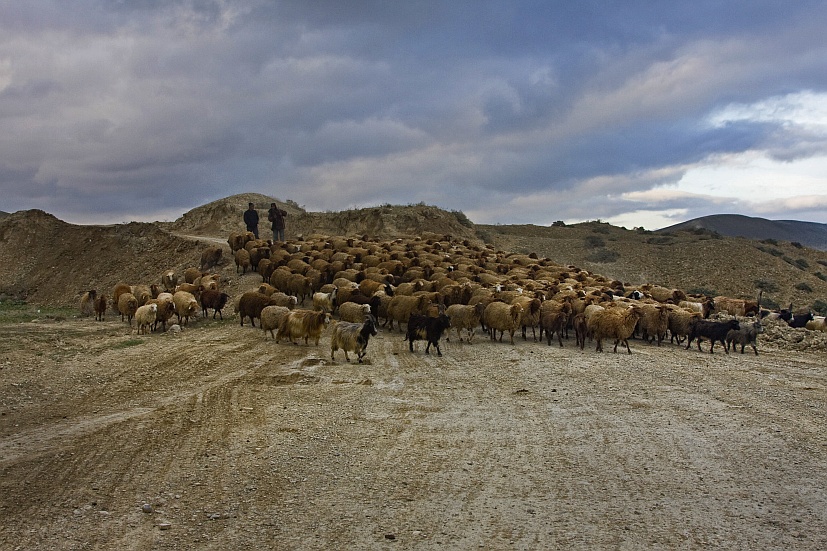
[[276, 216], [251, 218]]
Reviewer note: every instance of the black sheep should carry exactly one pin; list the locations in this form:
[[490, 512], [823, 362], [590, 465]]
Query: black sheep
[[712, 330]]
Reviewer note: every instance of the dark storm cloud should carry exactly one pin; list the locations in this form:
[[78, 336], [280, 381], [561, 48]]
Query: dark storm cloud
[[506, 110]]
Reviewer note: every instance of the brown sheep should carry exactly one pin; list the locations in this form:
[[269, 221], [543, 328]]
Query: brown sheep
[[166, 308], [502, 317], [87, 303], [401, 307], [100, 307], [119, 289], [465, 317], [654, 322], [680, 323], [186, 305], [191, 274], [251, 304], [614, 323], [127, 305], [581, 331], [242, 260], [210, 257]]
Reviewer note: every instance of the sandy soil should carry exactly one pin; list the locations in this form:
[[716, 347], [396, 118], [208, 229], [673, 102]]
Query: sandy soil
[[219, 438]]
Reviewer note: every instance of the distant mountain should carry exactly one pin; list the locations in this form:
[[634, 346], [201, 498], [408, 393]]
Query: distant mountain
[[809, 234], [3, 214]]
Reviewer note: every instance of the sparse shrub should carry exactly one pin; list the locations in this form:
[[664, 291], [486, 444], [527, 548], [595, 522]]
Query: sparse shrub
[[768, 302], [603, 256], [601, 229], [804, 286], [822, 262], [821, 276], [770, 242], [594, 242], [462, 219], [797, 245], [820, 307], [766, 285], [802, 263], [558, 224], [702, 291], [770, 250], [660, 240]]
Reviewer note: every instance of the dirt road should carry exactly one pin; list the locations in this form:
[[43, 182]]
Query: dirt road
[[219, 438]]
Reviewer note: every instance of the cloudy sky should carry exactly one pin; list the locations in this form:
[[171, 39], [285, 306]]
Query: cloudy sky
[[636, 113]]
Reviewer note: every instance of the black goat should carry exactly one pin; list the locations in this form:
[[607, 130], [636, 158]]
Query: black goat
[[427, 328], [800, 320], [712, 330]]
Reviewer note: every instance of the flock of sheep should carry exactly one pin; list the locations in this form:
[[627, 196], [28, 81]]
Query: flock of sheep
[[417, 281]]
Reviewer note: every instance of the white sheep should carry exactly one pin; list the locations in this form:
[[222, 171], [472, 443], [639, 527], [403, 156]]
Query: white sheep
[[271, 318], [145, 317], [353, 312]]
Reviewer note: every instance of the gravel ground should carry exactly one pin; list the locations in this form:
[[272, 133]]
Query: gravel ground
[[219, 438]]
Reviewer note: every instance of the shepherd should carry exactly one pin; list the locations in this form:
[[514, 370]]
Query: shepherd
[[276, 216]]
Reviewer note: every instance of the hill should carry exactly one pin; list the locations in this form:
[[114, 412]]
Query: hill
[[48, 261], [810, 234]]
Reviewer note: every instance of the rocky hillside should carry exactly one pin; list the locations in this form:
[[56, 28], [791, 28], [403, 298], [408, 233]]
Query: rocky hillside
[[810, 234], [47, 261]]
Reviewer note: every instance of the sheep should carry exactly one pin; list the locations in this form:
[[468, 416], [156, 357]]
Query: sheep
[[581, 331], [207, 281], [127, 305], [553, 321], [100, 307], [705, 307], [352, 337], [237, 240], [550, 307], [746, 335], [303, 323], [736, 306], [654, 322], [298, 286], [817, 324], [465, 317], [119, 289], [531, 314], [251, 304], [271, 317], [87, 303], [664, 294], [142, 293], [169, 280], [401, 307], [680, 322], [210, 257], [145, 317], [281, 299], [353, 312], [615, 323], [211, 298], [325, 301], [166, 308], [191, 274], [712, 330], [502, 317], [430, 329], [185, 306]]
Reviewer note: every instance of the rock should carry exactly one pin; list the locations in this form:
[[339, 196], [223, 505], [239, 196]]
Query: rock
[[146, 508]]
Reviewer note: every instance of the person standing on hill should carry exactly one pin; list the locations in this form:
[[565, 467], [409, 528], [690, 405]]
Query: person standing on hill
[[251, 219], [276, 216]]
